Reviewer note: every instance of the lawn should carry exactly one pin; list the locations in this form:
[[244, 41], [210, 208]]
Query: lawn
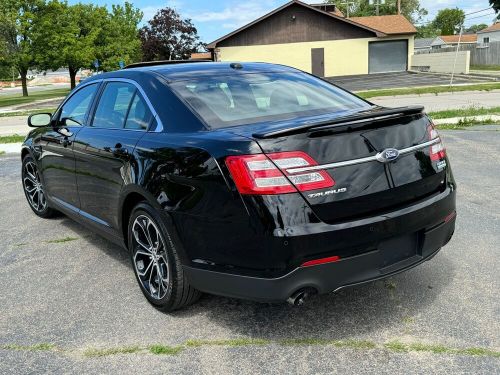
[[14, 99], [16, 138], [485, 67], [465, 112], [428, 90]]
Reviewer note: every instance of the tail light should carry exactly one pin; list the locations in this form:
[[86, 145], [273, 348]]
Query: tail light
[[266, 173], [438, 151]]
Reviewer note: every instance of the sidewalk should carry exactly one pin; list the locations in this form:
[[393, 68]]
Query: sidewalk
[[444, 101]]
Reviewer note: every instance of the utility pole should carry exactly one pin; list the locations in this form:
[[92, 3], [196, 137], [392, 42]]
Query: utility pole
[[377, 4], [347, 4], [456, 54], [399, 6]]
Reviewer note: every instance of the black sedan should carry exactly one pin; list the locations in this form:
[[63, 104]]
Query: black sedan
[[246, 180]]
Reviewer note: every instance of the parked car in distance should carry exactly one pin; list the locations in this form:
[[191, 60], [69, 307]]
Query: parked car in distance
[[246, 180]]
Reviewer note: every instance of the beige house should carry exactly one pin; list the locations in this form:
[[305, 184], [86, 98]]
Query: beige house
[[320, 40]]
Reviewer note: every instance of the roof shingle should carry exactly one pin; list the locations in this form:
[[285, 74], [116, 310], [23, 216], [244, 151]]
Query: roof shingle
[[389, 24], [466, 38]]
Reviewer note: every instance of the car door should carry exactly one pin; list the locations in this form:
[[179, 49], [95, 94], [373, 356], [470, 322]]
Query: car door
[[104, 151], [56, 146]]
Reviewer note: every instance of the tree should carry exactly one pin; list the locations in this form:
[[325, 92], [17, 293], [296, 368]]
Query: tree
[[496, 6], [169, 37], [427, 31], [475, 28], [17, 21], [66, 36], [409, 8], [119, 39], [449, 21]]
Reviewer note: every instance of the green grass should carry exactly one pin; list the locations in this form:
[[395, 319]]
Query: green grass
[[62, 240], [28, 112], [485, 67], [16, 138], [15, 99], [93, 352], [439, 349], [2, 152], [428, 90], [466, 112], [31, 348], [165, 349], [160, 349], [465, 123], [230, 342]]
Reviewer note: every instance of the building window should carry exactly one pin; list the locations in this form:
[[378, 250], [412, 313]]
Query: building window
[[486, 41]]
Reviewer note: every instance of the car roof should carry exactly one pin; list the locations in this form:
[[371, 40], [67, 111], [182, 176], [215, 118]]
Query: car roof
[[185, 71]]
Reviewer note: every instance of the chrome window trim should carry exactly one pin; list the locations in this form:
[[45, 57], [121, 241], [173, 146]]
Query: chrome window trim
[[361, 160], [159, 127]]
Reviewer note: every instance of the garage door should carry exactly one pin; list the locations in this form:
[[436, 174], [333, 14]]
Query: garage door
[[391, 56]]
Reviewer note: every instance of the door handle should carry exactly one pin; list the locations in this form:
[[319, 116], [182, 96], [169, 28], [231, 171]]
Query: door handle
[[65, 142], [120, 151]]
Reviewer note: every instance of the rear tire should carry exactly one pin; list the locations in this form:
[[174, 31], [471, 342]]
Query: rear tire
[[156, 263], [33, 188]]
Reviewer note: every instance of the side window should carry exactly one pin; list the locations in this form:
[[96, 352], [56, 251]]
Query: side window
[[139, 116], [113, 105], [76, 107]]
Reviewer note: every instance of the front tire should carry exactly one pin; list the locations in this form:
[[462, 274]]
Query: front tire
[[156, 262], [34, 190]]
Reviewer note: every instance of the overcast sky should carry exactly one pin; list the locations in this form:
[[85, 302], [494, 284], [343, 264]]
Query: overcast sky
[[214, 18]]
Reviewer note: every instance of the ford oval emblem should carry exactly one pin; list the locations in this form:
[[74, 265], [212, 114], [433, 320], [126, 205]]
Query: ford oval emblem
[[389, 154]]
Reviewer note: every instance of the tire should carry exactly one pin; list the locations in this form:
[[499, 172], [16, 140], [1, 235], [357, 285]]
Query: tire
[[153, 258], [34, 190]]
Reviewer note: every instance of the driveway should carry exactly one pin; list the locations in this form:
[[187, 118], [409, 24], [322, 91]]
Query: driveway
[[401, 79], [65, 286]]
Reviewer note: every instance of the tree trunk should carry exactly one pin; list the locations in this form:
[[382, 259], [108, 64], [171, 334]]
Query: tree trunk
[[23, 73], [72, 76]]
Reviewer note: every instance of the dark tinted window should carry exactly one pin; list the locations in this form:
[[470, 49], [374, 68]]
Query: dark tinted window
[[139, 115], [113, 105], [76, 107], [250, 98]]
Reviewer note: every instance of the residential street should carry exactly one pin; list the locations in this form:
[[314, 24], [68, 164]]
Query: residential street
[[65, 286]]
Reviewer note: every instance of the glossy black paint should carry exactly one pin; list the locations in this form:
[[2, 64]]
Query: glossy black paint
[[95, 175]]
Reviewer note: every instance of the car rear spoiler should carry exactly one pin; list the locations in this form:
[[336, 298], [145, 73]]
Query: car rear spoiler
[[372, 115]]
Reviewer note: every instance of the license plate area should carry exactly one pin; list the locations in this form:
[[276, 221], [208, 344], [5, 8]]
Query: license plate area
[[398, 249]]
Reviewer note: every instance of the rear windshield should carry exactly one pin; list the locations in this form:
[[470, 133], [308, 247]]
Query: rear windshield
[[224, 101]]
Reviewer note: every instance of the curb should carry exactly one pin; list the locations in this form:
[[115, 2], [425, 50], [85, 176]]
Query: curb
[[11, 148]]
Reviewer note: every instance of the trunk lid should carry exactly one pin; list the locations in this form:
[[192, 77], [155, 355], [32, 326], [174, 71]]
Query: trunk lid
[[365, 183]]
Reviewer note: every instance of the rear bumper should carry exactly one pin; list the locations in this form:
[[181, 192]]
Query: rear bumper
[[323, 278]]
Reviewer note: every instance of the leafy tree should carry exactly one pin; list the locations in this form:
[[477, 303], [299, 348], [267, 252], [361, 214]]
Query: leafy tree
[[72, 33], [169, 37], [449, 21], [496, 5], [475, 28], [411, 9], [427, 31], [119, 38], [17, 21]]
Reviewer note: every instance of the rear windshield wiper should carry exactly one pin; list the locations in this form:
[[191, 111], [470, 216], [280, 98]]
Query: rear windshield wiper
[[374, 114]]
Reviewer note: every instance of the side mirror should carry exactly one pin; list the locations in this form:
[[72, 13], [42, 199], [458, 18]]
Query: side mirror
[[39, 120]]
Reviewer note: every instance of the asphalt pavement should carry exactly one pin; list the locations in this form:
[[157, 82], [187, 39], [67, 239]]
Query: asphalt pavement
[[379, 81], [69, 301]]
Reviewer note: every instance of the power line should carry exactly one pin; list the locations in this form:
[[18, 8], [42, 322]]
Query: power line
[[478, 11], [484, 15]]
